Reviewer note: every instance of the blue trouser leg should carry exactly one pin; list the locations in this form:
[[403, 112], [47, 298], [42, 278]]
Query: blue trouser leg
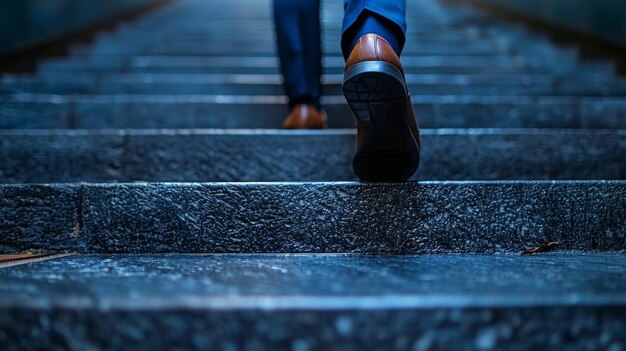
[[299, 48], [383, 17]]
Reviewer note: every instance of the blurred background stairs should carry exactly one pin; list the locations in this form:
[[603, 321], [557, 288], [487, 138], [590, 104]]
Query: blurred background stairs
[[154, 156]]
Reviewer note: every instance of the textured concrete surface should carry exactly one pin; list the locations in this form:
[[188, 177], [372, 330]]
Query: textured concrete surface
[[317, 281], [275, 155], [214, 111], [41, 217], [207, 85], [465, 70], [42, 111], [429, 217], [264, 65], [477, 64], [310, 302], [225, 47], [546, 328]]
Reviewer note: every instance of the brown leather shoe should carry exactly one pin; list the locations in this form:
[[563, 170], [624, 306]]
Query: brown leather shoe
[[306, 117], [388, 140]]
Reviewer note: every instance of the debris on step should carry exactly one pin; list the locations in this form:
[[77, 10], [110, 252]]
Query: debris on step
[[539, 249]]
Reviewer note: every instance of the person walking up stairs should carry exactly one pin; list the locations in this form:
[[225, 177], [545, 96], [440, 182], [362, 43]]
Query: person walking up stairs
[[373, 34]]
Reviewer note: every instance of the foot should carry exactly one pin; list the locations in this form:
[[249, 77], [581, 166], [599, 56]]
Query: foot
[[388, 140], [306, 117]]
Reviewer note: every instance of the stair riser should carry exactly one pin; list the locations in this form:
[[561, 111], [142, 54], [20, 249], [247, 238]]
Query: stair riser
[[207, 27], [269, 50], [483, 40], [265, 48], [188, 113], [253, 218], [337, 61], [474, 79], [182, 88], [276, 156], [472, 328], [58, 69], [452, 35]]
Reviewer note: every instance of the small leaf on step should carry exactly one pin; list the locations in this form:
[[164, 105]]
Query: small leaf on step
[[539, 249]]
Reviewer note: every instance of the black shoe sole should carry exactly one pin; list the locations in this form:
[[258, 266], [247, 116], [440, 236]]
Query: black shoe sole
[[376, 92]]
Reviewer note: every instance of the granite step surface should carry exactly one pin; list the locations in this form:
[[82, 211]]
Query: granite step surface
[[470, 37], [200, 66], [289, 252], [452, 34], [479, 38], [264, 48], [276, 155], [334, 217], [335, 61], [233, 75], [239, 65], [224, 24], [311, 302], [41, 111], [271, 85]]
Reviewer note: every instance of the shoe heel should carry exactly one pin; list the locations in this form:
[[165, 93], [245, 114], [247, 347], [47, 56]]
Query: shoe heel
[[372, 82], [376, 92]]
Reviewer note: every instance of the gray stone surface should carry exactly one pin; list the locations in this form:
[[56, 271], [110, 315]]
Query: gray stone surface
[[271, 85], [41, 217], [17, 114], [476, 63], [252, 48], [240, 65], [195, 87], [428, 217], [310, 302], [40, 111], [546, 328], [275, 155], [464, 70]]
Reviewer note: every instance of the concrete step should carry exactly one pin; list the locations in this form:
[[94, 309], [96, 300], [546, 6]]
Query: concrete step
[[477, 63], [331, 81], [275, 155], [205, 48], [454, 34], [77, 66], [314, 302], [491, 40], [426, 84], [426, 217], [265, 65], [414, 30], [262, 49], [476, 37], [505, 33], [225, 24], [217, 111], [219, 21], [476, 79]]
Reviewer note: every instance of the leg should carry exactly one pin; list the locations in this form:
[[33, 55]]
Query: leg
[[388, 141], [383, 17], [299, 48]]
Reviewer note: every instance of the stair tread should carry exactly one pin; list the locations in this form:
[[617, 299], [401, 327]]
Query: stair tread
[[316, 282], [311, 302]]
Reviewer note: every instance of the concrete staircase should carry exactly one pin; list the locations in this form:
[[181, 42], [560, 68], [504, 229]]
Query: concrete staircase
[[154, 156]]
